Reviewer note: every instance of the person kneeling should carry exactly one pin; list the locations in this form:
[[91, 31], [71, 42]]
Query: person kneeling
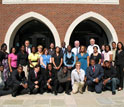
[[77, 79], [35, 80], [110, 78], [20, 85], [64, 77], [94, 77], [51, 79]]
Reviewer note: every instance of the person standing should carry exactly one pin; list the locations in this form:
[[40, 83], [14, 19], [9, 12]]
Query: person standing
[[23, 59], [27, 46], [94, 75], [90, 47], [33, 58], [51, 51], [57, 60], [76, 49], [69, 58], [63, 49], [5, 63], [40, 50], [113, 52], [12, 60], [119, 63], [77, 79], [96, 56], [83, 58]]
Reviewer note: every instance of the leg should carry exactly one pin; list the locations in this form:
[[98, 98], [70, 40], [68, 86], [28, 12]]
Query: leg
[[67, 86], [75, 87], [98, 87], [114, 83], [81, 85], [61, 87], [91, 85]]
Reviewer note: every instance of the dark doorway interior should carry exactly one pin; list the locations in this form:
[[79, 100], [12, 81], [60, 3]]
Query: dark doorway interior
[[36, 32], [88, 29]]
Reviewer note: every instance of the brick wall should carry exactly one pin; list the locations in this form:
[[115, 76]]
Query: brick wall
[[62, 15]]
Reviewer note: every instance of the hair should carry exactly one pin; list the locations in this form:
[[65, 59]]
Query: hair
[[113, 42], [121, 45], [27, 40], [1, 65], [37, 66], [47, 66], [33, 47], [108, 46], [56, 48], [95, 47], [45, 50], [20, 66], [3, 45], [85, 50], [78, 63], [40, 46], [11, 49], [93, 60], [21, 47], [92, 39]]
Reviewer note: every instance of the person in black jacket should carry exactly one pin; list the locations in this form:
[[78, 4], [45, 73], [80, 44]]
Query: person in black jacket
[[119, 63], [51, 79], [20, 85], [64, 77], [35, 80], [110, 80]]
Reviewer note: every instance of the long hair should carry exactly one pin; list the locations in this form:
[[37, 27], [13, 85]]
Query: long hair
[[85, 49], [121, 45]]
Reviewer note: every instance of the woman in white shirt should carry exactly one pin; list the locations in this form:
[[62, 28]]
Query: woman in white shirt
[[108, 54]]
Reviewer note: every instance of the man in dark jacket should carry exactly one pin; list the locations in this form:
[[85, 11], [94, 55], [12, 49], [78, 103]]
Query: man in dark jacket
[[64, 78], [94, 77], [110, 80], [20, 85], [35, 80], [51, 79]]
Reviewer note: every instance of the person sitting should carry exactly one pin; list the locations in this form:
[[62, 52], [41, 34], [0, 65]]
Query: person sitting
[[20, 85], [64, 78], [35, 80], [51, 79], [94, 77], [77, 79], [110, 80]]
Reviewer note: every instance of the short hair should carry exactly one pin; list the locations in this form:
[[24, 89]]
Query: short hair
[[114, 42], [95, 47], [85, 49], [92, 39], [36, 66], [78, 63], [93, 60], [1, 65], [20, 66], [76, 41], [40, 46]]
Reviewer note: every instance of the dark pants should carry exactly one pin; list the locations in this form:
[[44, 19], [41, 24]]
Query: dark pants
[[18, 89], [119, 69], [112, 84], [64, 87], [92, 86], [5, 92]]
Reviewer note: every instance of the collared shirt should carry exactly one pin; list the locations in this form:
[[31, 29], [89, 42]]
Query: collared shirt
[[76, 50], [28, 50], [90, 49], [77, 77], [114, 54]]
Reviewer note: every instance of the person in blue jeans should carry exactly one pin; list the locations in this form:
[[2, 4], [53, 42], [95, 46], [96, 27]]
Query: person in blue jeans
[[110, 80]]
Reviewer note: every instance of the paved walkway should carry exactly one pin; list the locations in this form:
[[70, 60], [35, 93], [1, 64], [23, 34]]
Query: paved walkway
[[88, 99]]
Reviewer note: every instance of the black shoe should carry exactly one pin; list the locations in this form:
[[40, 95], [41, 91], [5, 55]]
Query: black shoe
[[55, 93], [68, 93], [14, 94], [113, 93]]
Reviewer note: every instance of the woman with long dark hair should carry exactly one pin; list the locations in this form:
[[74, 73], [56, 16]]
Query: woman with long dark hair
[[119, 63]]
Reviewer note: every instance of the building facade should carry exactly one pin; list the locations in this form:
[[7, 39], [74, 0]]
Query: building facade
[[46, 21]]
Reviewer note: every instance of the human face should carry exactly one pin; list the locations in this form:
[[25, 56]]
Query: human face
[[92, 62], [103, 47], [107, 48], [27, 43], [119, 46], [4, 48], [69, 48], [77, 44], [39, 49], [13, 50], [1, 68], [49, 67], [65, 69], [82, 49], [23, 48], [37, 69], [20, 69], [113, 45], [78, 66], [107, 64], [63, 44], [46, 52], [57, 50], [33, 50], [95, 50], [51, 45], [92, 41]]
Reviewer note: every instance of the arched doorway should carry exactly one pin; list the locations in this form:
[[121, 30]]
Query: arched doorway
[[88, 29], [36, 32], [81, 27], [31, 17]]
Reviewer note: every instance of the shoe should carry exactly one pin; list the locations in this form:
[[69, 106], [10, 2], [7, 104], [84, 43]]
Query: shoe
[[81, 92], [68, 93], [13, 94], [55, 93], [113, 93]]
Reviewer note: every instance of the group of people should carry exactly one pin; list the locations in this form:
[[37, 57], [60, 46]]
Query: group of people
[[59, 69]]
